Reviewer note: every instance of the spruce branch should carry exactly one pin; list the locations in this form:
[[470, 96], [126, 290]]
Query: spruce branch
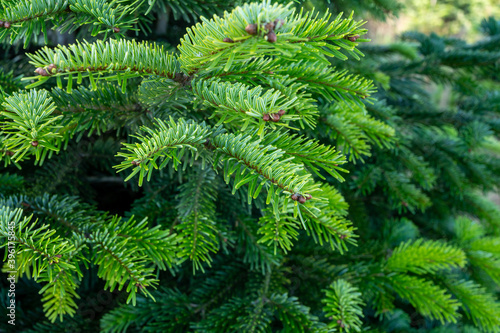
[[343, 306], [297, 35], [30, 126], [37, 246], [196, 207], [480, 305], [422, 257], [31, 18], [295, 316], [59, 293], [111, 60], [258, 255], [238, 102], [429, 299], [121, 264], [257, 165], [165, 142], [330, 83], [158, 245], [308, 152]]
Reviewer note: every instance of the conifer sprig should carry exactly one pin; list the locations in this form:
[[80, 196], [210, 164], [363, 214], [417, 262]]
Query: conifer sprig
[[27, 19], [111, 60], [30, 125]]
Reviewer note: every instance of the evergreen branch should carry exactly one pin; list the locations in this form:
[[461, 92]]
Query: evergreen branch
[[162, 93], [486, 261], [30, 125], [353, 130], [332, 84], [488, 244], [60, 291], [278, 232], [430, 300], [38, 247], [297, 35], [403, 194], [425, 257], [197, 231], [189, 10], [224, 318], [112, 15], [480, 305], [295, 316], [258, 165], [316, 31], [343, 306], [121, 263], [28, 18], [98, 110], [308, 152], [259, 256], [65, 211], [467, 230], [241, 103], [329, 224], [166, 141], [111, 60], [156, 244]]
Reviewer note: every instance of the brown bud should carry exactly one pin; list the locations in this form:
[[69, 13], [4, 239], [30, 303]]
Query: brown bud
[[9, 153], [139, 286], [353, 38], [308, 196], [51, 69], [41, 71], [251, 29], [266, 117], [281, 112], [116, 30], [1, 24], [275, 117], [6, 25], [342, 236], [58, 255], [34, 143], [136, 163], [302, 199], [271, 37], [228, 40], [269, 26], [294, 197]]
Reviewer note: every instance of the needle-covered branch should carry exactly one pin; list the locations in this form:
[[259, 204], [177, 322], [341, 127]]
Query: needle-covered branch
[[27, 19], [116, 60]]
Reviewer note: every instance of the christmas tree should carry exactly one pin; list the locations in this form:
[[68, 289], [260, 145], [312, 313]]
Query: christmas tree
[[264, 170]]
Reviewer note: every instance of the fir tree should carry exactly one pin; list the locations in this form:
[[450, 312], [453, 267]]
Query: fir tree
[[276, 184]]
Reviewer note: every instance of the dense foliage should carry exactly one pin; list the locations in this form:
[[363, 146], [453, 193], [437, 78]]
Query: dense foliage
[[274, 172]]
